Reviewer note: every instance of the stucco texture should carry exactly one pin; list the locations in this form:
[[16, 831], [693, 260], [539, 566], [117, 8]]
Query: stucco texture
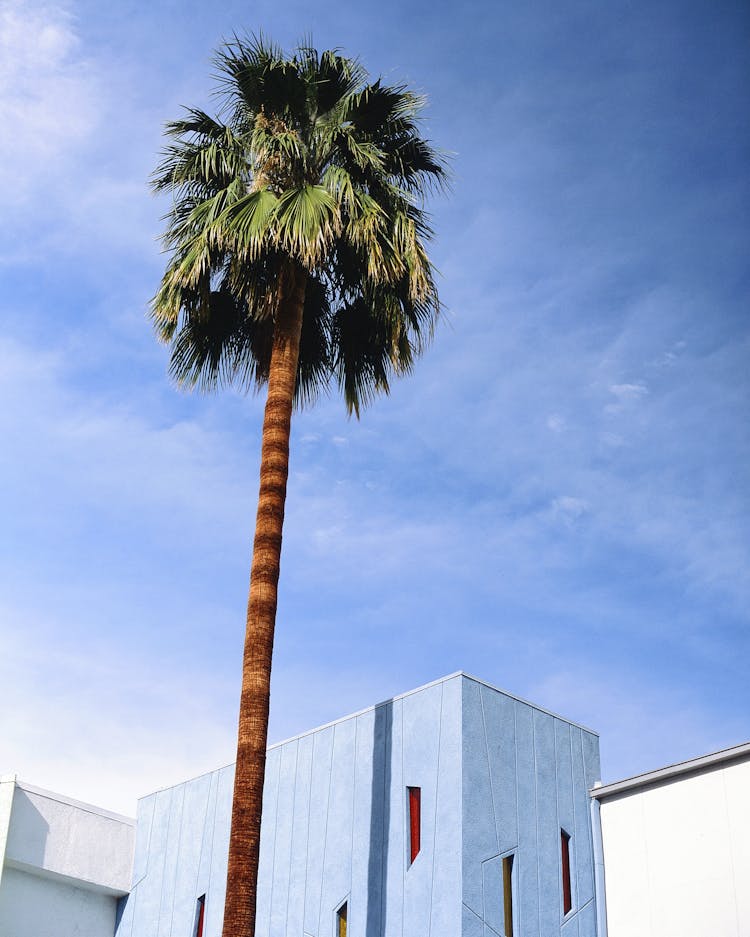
[[334, 830], [526, 774]]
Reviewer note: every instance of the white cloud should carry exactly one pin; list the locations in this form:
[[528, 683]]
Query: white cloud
[[48, 96], [629, 391], [625, 395]]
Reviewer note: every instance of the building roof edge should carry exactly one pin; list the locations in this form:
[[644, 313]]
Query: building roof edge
[[680, 768], [72, 802], [526, 702]]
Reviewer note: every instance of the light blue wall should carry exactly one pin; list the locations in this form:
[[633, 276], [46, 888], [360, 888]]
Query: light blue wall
[[497, 775], [334, 829], [526, 774]]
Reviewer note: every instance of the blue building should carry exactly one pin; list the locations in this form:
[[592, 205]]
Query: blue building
[[455, 810]]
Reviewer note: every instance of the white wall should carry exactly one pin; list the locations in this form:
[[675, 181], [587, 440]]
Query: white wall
[[59, 835], [31, 906], [64, 864], [677, 856]]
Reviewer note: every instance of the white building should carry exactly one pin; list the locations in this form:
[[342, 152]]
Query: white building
[[64, 865], [677, 849]]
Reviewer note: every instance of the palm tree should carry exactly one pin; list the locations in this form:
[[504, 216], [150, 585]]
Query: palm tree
[[297, 259]]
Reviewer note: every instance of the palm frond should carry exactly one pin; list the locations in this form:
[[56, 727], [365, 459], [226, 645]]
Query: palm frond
[[308, 163], [307, 219]]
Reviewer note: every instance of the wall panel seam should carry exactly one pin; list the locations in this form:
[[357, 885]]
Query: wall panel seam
[[435, 818], [489, 774], [291, 838]]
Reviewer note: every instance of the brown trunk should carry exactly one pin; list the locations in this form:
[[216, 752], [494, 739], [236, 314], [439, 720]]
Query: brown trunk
[[252, 735]]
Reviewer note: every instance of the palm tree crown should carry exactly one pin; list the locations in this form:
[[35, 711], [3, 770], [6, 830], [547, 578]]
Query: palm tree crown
[[309, 166]]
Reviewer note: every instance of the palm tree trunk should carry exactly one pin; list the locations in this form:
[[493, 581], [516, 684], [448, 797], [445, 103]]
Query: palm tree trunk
[[252, 735]]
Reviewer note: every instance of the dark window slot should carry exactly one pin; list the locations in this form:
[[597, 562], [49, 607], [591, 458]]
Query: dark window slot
[[200, 916], [341, 916], [508, 895], [565, 855]]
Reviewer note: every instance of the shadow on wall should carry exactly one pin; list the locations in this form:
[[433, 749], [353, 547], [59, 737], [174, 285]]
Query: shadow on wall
[[380, 818], [28, 832]]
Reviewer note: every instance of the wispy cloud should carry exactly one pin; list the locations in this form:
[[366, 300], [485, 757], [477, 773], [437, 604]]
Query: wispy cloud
[[49, 95]]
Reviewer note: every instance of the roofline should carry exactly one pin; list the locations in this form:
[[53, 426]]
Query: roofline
[[520, 699], [71, 802], [681, 768], [367, 709], [320, 728], [427, 686], [386, 702]]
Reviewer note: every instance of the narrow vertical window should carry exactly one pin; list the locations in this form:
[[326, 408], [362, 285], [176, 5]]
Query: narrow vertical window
[[415, 822], [565, 856], [341, 921], [508, 895], [200, 913]]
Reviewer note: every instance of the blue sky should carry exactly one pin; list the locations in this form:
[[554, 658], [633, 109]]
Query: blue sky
[[556, 500]]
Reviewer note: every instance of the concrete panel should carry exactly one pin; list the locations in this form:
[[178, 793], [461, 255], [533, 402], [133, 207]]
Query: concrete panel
[[570, 928], [523, 780], [268, 829], [171, 862], [300, 827], [319, 794], [586, 918], [281, 871], [147, 897], [479, 820], [493, 894], [395, 833], [445, 900], [144, 823], [421, 747], [371, 821], [500, 730], [564, 761], [337, 859], [471, 923], [591, 766], [548, 826], [217, 885], [526, 860], [582, 856], [207, 836], [364, 909], [190, 845]]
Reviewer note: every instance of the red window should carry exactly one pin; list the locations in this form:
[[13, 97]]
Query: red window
[[565, 854], [415, 821], [201, 913]]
